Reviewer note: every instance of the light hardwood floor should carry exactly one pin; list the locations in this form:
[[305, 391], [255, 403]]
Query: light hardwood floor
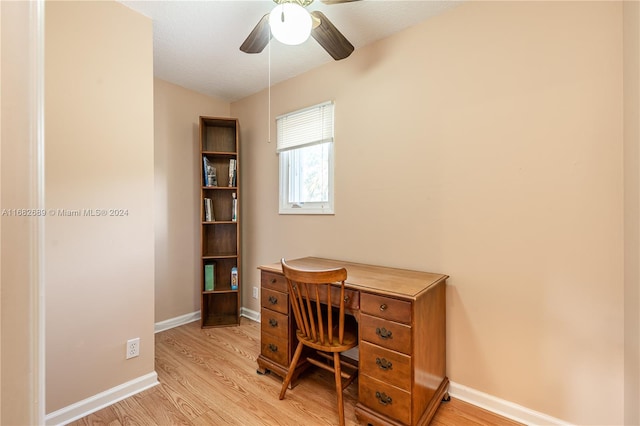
[[208, 377]]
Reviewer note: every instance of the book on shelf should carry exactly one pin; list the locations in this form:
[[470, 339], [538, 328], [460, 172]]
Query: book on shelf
[[234, 208], [232, 172], [210, 178], [234, 278], [209, 276], [208, 210]]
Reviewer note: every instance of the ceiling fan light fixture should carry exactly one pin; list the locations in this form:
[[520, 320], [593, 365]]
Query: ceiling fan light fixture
[[290, 23]]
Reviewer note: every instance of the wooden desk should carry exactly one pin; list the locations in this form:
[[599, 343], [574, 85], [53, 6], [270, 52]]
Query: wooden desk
[[401, 317]]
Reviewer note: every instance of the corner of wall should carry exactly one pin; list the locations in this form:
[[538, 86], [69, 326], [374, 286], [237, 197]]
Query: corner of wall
[[631, 131]]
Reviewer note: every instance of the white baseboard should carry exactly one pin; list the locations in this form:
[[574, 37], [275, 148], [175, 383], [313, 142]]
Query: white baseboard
[[248, 313], [195, 316], [177, 321], [502, 407], [104, 399]]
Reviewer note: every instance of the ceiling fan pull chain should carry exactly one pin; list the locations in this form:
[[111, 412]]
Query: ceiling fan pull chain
[[269, 99]]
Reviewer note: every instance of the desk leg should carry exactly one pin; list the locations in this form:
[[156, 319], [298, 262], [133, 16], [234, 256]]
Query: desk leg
[[266, 366]]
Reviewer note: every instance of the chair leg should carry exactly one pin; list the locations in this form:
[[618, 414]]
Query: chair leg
[[292, 368], [336, 366]]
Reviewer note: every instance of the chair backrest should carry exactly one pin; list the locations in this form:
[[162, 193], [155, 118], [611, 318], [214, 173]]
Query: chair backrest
[[311, 302]]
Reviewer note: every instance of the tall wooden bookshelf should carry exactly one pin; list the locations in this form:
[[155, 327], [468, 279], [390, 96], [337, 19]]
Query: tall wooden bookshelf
[[219, 233]]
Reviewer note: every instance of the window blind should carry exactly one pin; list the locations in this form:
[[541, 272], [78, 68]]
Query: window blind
[[305, 127]]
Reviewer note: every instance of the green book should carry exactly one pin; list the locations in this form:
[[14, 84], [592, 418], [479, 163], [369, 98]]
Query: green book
[[209, 277]]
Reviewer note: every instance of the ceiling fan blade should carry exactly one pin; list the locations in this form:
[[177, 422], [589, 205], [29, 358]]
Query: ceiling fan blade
[[259, 37], [337, 1], [328, 36]]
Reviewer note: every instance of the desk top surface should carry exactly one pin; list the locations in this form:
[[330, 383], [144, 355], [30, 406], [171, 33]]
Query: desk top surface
[[377, 279]]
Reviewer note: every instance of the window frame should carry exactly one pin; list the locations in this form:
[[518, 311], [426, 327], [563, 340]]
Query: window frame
[[285, 163]]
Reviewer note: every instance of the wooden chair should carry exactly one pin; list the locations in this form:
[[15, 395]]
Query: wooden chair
[[319, 325]]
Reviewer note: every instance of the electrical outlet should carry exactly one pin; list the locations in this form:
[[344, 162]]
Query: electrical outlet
[[255, 292], [133, 348]]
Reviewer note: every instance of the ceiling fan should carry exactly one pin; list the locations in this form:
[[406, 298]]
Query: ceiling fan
[[290, 23]]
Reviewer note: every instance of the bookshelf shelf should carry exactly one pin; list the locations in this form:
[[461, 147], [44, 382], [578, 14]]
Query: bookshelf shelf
[[220, 222], [220, 153], [219, 291]]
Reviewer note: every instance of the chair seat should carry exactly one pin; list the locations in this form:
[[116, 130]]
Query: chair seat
[[350, 341]]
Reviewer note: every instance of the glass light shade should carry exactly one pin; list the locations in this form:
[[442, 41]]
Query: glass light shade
[[290, 23]]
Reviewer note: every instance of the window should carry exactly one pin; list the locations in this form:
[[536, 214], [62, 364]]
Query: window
[[305, 147]]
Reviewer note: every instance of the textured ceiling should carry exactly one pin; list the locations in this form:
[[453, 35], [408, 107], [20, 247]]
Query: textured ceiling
[[196, 43]]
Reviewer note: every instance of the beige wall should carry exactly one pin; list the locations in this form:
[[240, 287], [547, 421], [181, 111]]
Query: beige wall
[[486, 144], [632, 210], [18, 342], [99, 271], [177, 173]]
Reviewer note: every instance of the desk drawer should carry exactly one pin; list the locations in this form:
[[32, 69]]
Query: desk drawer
[[273, 281], [387, 308], [386, 365], [274, 322], [384, 398], [351, 297], [388, 334], [275, 301], [275, 348]]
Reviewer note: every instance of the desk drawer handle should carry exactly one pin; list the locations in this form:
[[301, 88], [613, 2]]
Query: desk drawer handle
[[383, 364], [383, 398], [383, 333], [273, 280], [346, 299], [273, 322], [273, 348], [273, 300], [383, 307]]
